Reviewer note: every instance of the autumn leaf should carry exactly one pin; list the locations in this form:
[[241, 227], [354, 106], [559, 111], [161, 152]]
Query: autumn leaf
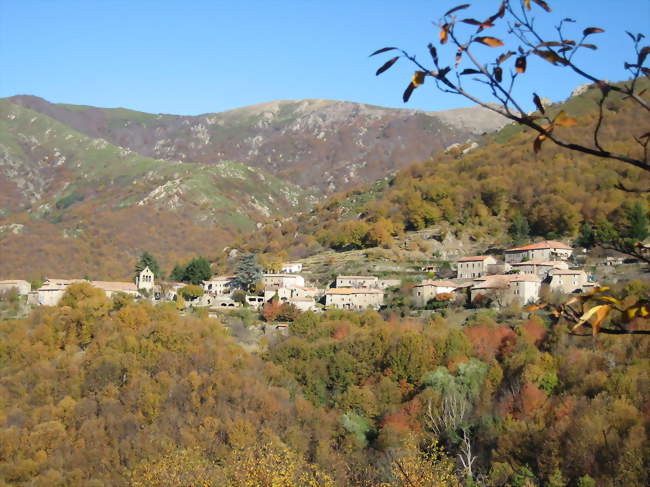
[[589, 46], [520, 64], [600, 312], [538, 103], [459, 55], [456, 9], [527, 4], [383, 49], [387, 65], [543, 4], [592, 30], [444, 33], [490, 41], [418, 78], [550, 56], [537, 144], [434, 53], [563, 120], [469, 71], [498, 74], [504, 56], [408, 92]]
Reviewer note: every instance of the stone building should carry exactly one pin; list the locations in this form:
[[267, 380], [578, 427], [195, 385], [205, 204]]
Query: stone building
[[507, 289], [218, 286], [547, 250], [474, 266], [427, 290], [145, 280], [23, 287], [539, 267], [568, 280], [283, 280], [354, 298], [357, 281]]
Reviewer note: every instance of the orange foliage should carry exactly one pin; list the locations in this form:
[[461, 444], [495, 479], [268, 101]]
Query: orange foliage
[[491, 341]]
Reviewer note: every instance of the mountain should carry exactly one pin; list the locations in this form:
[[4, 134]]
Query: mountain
[[477, 193], [71, 204], [321, 145]]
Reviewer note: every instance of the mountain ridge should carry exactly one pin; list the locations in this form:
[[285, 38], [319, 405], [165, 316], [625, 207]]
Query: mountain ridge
[[321, 145]]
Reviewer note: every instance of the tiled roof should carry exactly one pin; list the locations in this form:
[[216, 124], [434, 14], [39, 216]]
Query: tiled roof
[[546, 244], [356, 277], [473, 258], [567, 272], [437, 284], [525, 278], [115, 286], [353, 290]]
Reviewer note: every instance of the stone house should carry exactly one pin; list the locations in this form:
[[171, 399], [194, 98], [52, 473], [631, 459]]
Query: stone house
[[283, 280], [548, 250], [507, 289], [354, 298], [303, 304], [474, 266], [538, 267], [568, 280], [427, 290], [386, 283], [357, 281], [218, 286], [145, 280], [51, 292], [23, 287]]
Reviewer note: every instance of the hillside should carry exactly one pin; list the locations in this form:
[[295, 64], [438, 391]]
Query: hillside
[[322, 145], [72, 205], [479, 192]]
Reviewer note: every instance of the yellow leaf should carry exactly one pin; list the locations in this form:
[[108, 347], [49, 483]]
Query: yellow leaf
[[490, 41], [444, 33], [527, 4], [418, 78], [563, 120], [600, 312]]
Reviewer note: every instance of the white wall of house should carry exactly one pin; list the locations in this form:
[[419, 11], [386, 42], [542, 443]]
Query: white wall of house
[[422, 293], [145, 280], [283, 280], [23, 287]]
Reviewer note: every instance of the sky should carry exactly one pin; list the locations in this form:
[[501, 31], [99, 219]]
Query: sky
[[198, 56]]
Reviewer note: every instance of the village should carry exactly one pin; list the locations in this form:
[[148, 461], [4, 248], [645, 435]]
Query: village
[[520, 276]]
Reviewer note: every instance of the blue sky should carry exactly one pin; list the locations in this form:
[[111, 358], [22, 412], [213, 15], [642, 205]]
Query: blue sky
[[195, 56]]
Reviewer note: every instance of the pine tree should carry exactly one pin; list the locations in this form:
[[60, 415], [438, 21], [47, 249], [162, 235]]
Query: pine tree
[[178, 273], [519, 229], [587, 238], [248, 273], [148, 260]]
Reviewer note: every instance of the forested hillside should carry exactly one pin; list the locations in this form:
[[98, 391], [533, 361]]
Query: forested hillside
[[96, 392], [486, 191]]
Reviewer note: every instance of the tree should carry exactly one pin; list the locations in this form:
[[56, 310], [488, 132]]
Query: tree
[[519, 229], [177, 273], [148, 260], [191, 292], [637, 229], [586, 238], [197, 271], [525, 41], [248, 273]]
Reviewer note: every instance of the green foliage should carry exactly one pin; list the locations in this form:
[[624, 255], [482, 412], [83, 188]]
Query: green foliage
[[148, 260], [519, 229], [69, 200], [191, 292], [587, 237], [358, 426], [247, 274], [637, 227], [194, 272]]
